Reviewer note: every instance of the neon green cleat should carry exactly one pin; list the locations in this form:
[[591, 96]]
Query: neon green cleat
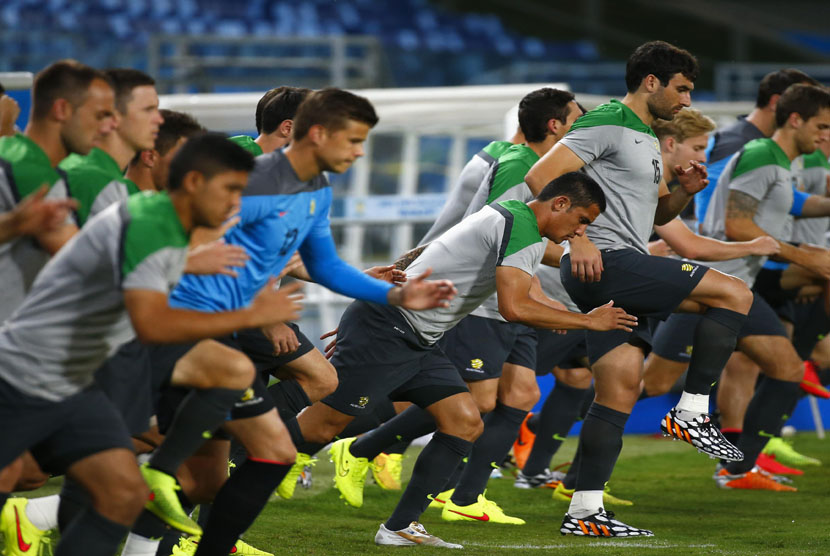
[[440, 499], [565, 495], [187, 547], [21, 536], [481, 510], [286, 488], [386, 469], [164, 503], [783, 452], [349, 472]]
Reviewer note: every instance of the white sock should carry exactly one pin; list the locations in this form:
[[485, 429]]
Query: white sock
[[693, 403], [43, 512], [137, 545], [585, 503]]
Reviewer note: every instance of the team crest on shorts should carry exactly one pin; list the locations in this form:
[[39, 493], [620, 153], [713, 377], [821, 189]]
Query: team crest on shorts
[[363, 401], [476, 363], [689, 350], [248, 395], [690, 268]]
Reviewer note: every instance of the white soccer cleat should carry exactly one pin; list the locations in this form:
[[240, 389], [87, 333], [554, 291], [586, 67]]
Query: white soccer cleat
[[413, 535]]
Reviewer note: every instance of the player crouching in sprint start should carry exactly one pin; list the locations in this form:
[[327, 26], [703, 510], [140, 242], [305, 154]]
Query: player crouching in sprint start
[[390, 352]]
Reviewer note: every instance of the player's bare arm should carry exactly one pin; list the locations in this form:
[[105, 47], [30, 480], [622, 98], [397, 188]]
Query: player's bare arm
[[513, 286], [156, 322], [409, 257], [740, 226], [688, 244], [553, 252], [670, 204], [557, 161]]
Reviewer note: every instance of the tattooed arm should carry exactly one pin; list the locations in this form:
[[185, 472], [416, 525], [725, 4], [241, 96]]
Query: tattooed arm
[[740, 226], [409, 257]]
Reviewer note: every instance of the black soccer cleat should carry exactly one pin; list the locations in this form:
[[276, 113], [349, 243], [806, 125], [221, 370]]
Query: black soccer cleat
[[601, 524], [701, 433]]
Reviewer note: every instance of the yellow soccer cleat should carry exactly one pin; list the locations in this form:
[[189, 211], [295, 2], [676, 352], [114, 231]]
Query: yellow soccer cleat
[[440, 499], [22, 538], [349, 472], [164, 503], [565, 495], [187, 547], [286, 488], [386, 469], [783, 452], [482, 510]]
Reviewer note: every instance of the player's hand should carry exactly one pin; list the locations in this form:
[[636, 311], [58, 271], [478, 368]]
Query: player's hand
[[202, 235], [765, 245], [329, 349], [283, 337], [35, 214], [419, 293], [692, 179], [608, 317], [9, 111], [660, 248], [272, 305], [387, 273], [216, 257], [586, 260]]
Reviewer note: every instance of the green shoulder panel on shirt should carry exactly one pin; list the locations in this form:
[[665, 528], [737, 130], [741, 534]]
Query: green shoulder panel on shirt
[[153, 225], [525, 230], [759, 153], [512, 168], [816, 159], [247, 142], [497, 148], [87, 176], [613, 113], [31, 167]]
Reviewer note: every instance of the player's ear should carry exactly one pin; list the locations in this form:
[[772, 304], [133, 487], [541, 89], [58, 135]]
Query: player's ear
[[317, 134], [286, 127], [149, 157], [560, 204], [61, 109], [651, 83], [670, 143], [193, 181]]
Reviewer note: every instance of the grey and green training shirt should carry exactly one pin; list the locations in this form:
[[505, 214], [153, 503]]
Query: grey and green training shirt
[[96, 181], [74, 317]]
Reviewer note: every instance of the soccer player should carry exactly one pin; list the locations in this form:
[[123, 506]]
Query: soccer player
[[615, 144], [97, 179], [757, 124], [495, 358], [108, 281], [386, 353], [149, 169], [754, 197], [285, 208], [274, 120]]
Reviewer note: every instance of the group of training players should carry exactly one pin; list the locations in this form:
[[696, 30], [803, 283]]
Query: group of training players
[[155, 329]]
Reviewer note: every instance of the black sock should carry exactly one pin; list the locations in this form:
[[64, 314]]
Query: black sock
[[768, 407], [201, 412], [601, 441], [3, 497], [569, 481], [396, 448], [789, 411], [289, 398], [149, 526], [238, 504], [74, 500], [408, 425], [533, 421], [715, 337], [168, 541], [91, 534], [500, 429], [204, 515], [452, 482], [432, 470], [558, 415], [294, 431]]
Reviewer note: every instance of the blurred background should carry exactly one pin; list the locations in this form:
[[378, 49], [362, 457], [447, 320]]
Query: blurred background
[[443, 75]]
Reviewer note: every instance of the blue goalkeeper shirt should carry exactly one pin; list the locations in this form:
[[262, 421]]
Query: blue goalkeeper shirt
[[280, 214]]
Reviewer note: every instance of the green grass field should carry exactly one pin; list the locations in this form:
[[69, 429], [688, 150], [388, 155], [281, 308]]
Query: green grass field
[[668, 481]]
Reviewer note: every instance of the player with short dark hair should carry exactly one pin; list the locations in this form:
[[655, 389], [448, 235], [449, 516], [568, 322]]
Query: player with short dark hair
[[97, 179], [274, 120], [101, 287], [615, 144]]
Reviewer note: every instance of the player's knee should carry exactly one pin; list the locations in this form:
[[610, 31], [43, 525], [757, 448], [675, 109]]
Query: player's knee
[[122, 499], [575, 378], [738, 294], [522, 396], [466, 423], [324, 382], [485, 405], [787, 367], [236, 372]]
